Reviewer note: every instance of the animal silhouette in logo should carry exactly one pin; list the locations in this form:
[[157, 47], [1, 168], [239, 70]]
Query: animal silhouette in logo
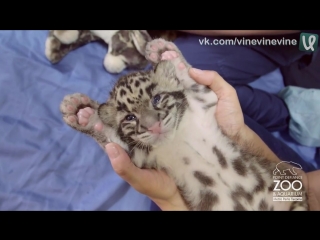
[[285, 167]]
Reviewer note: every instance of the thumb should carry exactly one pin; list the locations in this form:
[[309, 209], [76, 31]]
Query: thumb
[[121, 163], [211, 79]]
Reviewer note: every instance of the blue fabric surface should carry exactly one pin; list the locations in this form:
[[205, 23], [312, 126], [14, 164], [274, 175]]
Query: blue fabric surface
[[273, 83], [44, 164], [304, 108], [267, 109]]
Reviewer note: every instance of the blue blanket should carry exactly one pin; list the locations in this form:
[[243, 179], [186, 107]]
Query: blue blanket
[[44, 164]]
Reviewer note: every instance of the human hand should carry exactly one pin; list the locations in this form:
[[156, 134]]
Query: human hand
[[230, 118], [228, 112], [157, 185], [311, 183]]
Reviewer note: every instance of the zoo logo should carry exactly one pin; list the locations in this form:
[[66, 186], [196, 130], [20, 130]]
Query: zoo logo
[[282, 173]]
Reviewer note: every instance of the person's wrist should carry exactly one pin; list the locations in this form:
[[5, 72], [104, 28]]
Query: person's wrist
[[240, 134], [250, 142], [175, 203], [172, 207], [312, 185]]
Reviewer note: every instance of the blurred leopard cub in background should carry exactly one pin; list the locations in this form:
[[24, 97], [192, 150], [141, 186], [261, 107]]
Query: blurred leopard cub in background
[[126, 48]]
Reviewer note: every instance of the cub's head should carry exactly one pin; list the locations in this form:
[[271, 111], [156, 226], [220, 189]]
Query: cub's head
[[145, 108]]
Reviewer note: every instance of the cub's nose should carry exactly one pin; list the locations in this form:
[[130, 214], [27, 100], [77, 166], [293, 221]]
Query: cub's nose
[[156, 128]]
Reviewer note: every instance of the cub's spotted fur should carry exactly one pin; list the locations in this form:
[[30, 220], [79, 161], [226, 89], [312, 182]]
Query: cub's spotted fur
[[165, 120]]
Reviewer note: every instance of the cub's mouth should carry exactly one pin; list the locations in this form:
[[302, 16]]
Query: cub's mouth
[[159, 132]]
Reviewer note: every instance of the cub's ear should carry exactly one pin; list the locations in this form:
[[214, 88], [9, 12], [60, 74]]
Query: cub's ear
[[107, 113], [140, 39]]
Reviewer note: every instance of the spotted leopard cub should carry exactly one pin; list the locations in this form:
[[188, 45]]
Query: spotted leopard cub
[[164, 120]]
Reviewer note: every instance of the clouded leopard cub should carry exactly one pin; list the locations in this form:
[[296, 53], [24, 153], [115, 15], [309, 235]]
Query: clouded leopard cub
[[164, 120]]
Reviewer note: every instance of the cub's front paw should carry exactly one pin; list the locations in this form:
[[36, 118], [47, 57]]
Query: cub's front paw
[[161, 50], [80, 113], [156, 47]]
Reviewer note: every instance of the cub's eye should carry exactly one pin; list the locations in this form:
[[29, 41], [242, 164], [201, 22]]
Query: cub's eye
[[130, 117], [156, 99]]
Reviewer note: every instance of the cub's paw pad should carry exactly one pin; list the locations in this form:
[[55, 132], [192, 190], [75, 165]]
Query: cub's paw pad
[[79, 112], [155, 48], [83, 115], [168, 55], [76, 109], [174, 57]]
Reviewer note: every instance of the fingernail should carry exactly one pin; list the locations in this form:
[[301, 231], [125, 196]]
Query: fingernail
[[112, 151], [196, 71]]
